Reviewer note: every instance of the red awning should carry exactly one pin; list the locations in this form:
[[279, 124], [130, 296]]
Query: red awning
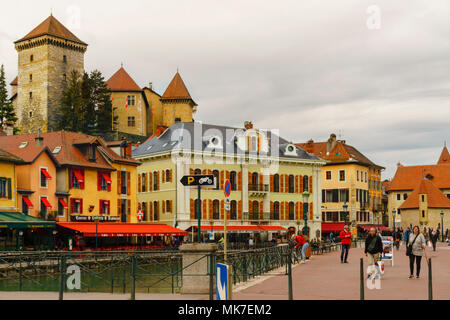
[[63, 203], [46, 203], [106, 177], [46, 174], [28, 202], [105, 229], [78, 175], [240, 228], [332, 227]]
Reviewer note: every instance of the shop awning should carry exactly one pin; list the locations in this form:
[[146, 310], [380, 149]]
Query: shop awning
[[107, 178], [105, 229], [206, 228], [28, 202], [46, 174], [15, 220], [78, 176], [328, 227], [63, 203], [46, 203]]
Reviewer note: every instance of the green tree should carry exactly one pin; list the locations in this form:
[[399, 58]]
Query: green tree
[[6, 107], [72, 111]]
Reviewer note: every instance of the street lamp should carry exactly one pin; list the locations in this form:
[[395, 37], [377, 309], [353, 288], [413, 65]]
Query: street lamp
[[305, 195], [393, 219], [345, 207], [442, 225]]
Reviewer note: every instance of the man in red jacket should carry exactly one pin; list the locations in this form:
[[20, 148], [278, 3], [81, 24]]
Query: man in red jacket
[[346, 238]]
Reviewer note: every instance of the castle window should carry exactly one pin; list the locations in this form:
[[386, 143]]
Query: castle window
[[131, 121], [31, 95], [131, 100], [31, 78], [65, 59], [31, 114], [31, 58], [65, 77]]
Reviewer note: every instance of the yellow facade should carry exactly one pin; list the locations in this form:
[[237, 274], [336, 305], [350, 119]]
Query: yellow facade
[[8, 176], [131, 119], [155, 116]]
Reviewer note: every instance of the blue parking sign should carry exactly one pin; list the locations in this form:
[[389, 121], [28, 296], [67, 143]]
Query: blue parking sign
[[222, 281]]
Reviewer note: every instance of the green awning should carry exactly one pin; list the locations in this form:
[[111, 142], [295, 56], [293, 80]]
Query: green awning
[[16, 220]]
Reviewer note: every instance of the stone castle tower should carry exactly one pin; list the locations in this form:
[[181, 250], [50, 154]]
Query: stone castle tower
[[47, 56], [177, 104]]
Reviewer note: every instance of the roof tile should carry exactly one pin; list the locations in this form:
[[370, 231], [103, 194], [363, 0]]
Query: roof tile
[[435, 198]]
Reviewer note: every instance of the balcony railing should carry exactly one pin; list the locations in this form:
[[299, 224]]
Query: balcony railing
[[258, 187], [261, 216]]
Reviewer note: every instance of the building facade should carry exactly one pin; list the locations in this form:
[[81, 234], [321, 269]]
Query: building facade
[[8, 181], [348, 178], [268, 178]]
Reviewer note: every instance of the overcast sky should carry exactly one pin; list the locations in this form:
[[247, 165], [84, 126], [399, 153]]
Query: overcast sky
[[376, 73]]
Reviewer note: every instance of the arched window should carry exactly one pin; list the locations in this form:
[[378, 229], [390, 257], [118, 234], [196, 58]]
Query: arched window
[[291, 211], [233, 180], [198, 171], [305, 183], [276, 211], [233, 210], [276, 183], [254, 183], [291, 184], [216, 209], [255, 208]]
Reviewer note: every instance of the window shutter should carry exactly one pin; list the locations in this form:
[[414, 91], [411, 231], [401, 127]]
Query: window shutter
[[228, 174], [170, 175], [72, 208], [310, 184], [163, 176], [261, 210], [150, 210], [100, 207], [296, 184], [282, 210], [240, 181], [128, 207], [119, 207], [81, 206], [99, 181], [9, 188], [250, 178], [286, 183], [119, 186], [239, 210], [70, 179], [311, 211], [261, 179], [191, 171], [204, 171], [84, 179], [139, 183], [297, 208], [300, 184], [163, 207], [271, 209], [109, 184], [281, 182], [221, 179], [250, 207], [271, 183], [109, 207], [157, 180], [192, 209], [222, 208], [150, 177], [128, 182], [204, 210]]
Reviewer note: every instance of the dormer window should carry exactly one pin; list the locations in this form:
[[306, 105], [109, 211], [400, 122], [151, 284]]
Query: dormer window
[[56, 150], [290, 150], [23, 145], [91, 150]]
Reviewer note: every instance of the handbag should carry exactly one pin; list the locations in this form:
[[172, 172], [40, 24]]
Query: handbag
[[410, 246]]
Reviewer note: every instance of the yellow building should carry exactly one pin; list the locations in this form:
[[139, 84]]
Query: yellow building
[[8, 181], [268, 177], [406, 180], [348, 178]]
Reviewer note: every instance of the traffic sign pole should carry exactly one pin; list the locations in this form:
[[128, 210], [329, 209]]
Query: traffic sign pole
[[227, 191], [199, 212]]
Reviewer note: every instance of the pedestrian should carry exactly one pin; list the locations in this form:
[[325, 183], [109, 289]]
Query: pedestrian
[[434, 238], [373, 247], [331, 237], [346, 238], [415, 250], [301, 244], [397, 238]]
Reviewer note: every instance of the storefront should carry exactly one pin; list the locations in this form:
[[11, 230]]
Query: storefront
[[20, 232], [116, 236]]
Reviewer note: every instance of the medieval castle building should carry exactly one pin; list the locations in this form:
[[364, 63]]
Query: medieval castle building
[[46, 57]]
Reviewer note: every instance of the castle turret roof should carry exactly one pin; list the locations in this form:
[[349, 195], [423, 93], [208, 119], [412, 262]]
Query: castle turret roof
[[177, 89]]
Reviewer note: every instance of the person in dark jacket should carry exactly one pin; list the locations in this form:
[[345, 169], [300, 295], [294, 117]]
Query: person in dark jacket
[[373, 247]]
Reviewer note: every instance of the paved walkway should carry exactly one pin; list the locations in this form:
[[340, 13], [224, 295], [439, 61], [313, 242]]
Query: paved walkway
[[325, 278]]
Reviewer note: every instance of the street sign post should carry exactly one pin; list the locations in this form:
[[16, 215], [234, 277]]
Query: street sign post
[[140, 215], [198, 180], [227, 191], [223, 282]]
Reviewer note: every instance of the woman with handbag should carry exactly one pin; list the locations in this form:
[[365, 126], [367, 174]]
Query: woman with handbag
[[415, 250]]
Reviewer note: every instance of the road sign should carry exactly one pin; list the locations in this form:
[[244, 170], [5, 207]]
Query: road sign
[[198, 180], [140, 215], [222, 283], [227, 204], [227, 188]]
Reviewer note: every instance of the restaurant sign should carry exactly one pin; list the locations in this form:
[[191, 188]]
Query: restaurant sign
[[94, 218]]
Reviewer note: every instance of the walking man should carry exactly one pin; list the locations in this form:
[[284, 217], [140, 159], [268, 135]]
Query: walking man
[[346, 238], [373, 247]]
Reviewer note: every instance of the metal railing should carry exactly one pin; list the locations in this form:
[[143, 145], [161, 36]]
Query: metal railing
[[258, 187]]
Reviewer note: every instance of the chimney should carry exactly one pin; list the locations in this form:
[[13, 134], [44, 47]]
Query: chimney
[[8, 128], [248, 125], [150, 85], [160, 130], [309, 146], [39, 141], [331, 143]]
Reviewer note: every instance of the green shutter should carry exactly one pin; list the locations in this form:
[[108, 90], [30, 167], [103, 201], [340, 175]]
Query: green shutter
[[9, 189]]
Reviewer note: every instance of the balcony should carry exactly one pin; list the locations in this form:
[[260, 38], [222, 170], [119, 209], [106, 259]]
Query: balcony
[[260, 216], [258, 190]]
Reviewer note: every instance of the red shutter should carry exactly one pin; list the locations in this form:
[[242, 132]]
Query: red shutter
[[99, 181], [271, 183], [109, 184], [311, 211], [282, 210], [72, 208], [240, 181], [221, 179], [84, 179], [222, 208], [100, 206], [310, 184], [239, 210], [163, 206], [150, 177], [139, 182], [281, 182], [296, 184], [271, 210], [210, 205], [192, 209], [300, 184], [204, 210], [157, 180], [81, 206], [301, 211], [261, 210]]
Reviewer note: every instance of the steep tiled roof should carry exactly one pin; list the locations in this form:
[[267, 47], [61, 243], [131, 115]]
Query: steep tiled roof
[[122, 81], [51, 26], [9, 157], [69, 154], [445, 156], [177, 89], [435, 198], [406, 177], [341, 152]]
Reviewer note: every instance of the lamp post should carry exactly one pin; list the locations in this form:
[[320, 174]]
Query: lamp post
[[442, 225], [305, 195], [345, 207], [393, 219]]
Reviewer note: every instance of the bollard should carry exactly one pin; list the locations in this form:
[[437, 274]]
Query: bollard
[[361, 279], [289, 263], [430, 281], [62, 268]]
